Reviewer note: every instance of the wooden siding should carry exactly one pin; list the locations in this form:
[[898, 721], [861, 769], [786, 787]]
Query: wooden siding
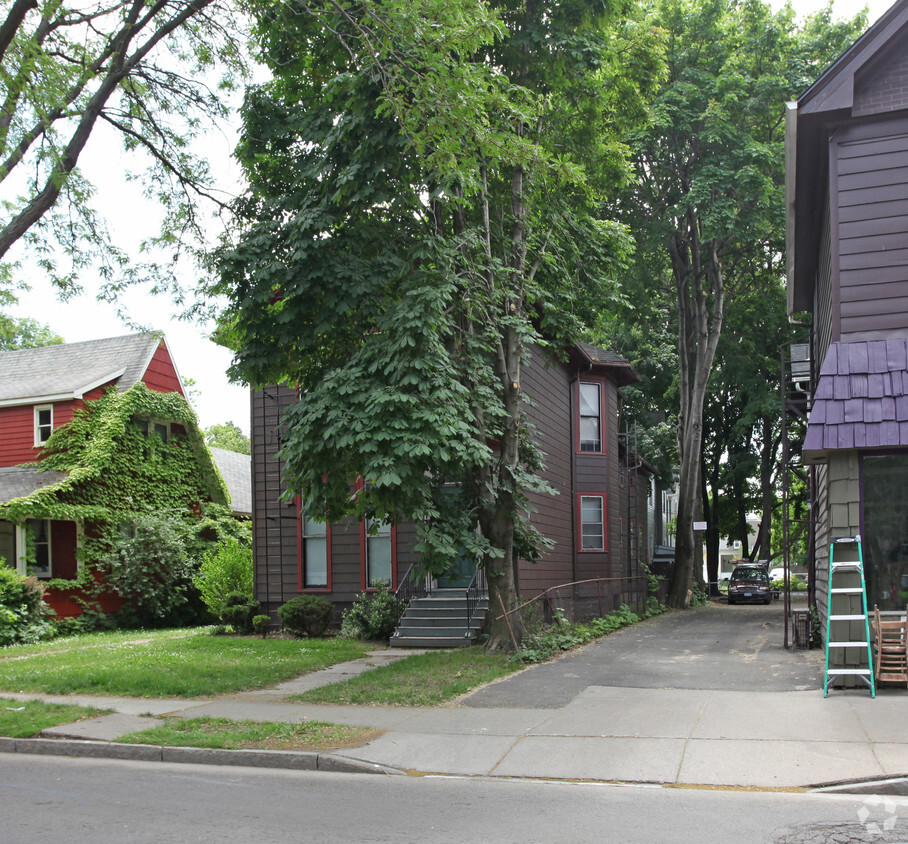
[[17, 430], [161, 374], [869, 183]]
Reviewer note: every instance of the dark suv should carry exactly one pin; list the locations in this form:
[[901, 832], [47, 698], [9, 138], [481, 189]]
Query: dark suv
[[749, 583]]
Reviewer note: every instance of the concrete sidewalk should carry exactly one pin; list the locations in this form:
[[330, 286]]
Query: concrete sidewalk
[[774, 739]]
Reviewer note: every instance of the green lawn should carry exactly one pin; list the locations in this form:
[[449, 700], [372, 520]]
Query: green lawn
[[258, 735], [425, 680], [20, 719], [185, 663]]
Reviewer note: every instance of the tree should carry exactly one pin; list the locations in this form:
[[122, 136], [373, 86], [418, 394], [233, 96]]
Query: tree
[[25, 333], [229, 437], [709, 190], [425, 183], [137, 67]]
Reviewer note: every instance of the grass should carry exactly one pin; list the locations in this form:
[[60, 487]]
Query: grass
[[425, 680], [258, 735], [185, 663], [26, 719]]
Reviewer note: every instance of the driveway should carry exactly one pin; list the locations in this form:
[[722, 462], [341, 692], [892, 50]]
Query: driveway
[[736, 648]]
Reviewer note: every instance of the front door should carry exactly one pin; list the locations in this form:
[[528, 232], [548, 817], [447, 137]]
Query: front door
[[459, 575]]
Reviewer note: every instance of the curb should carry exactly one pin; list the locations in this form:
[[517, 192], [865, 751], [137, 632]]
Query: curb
[[300, 760]]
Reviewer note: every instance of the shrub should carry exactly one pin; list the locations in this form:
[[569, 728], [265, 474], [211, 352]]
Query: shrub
[[151, 572], [239, 612], [307, 615], [260, 624], [372, 616], [224, 570], [24, 617]]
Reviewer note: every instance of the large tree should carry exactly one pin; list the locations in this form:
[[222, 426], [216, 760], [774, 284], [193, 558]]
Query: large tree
[[153, 72], [709, 189], [425, 180]]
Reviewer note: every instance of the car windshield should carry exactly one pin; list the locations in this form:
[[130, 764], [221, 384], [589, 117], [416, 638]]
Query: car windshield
[[749, 576]]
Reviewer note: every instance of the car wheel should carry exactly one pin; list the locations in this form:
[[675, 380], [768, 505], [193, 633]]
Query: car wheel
[[730, 601], [768, 601]]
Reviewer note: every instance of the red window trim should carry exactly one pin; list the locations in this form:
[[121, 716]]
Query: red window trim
[[300, 580], [601, 382], [579, 540], [362, 557]]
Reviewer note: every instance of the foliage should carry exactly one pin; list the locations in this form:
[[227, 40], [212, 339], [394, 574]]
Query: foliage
[[306, 615], [229, 437], [428, 679], [145, 71], [26, 719], [90, 620], [149, 569], [225, 569], [373, 615], [25, 333], [260, 625], [426, 188], [253, 735], [177, 663], [564, 636], [239, 611], [24, 617]]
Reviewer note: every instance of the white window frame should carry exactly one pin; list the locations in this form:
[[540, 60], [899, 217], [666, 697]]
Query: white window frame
[[600, 523], [39, 408], [375, 532], [309, 540], [49, 543]]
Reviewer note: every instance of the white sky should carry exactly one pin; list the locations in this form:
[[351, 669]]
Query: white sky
[[130, 218]]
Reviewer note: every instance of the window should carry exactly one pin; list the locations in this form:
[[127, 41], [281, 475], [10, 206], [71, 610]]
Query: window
[[44, 423], [40, 533], [590, 417], [884, 531], [314, 553], [146, 428], [378, 552], [8, 543], [592, 523]]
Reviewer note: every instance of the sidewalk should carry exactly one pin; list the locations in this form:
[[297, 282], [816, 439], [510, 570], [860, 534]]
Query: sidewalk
[[774, 739]]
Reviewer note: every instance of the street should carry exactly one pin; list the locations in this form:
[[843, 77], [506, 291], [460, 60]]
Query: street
[[82, 800]]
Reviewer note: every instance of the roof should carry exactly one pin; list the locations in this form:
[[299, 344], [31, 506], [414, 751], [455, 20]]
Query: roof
[[617, 367], [55, 373], [823, 105], [16, 481], [861, 400], [236, 470]]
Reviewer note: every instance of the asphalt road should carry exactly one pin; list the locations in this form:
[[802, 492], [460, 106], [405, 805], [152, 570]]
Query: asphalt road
[[111, 802], [737, 648]]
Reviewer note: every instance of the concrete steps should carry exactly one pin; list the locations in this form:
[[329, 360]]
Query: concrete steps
[[439, 621]]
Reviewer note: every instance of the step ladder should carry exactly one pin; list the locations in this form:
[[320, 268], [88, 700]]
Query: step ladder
[[847, 625]]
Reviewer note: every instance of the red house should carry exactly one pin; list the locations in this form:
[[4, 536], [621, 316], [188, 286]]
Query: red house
[[603, 520], [94, 424]]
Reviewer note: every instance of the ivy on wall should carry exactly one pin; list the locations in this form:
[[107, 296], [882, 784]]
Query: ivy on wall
[[117, 472]]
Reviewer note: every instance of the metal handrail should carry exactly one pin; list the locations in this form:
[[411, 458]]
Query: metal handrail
[[412, 586], [477, 589]]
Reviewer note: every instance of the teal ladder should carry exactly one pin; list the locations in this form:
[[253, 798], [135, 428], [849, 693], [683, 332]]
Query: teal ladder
[[847, 625]]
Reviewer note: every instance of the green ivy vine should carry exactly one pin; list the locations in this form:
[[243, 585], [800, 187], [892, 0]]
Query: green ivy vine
[[115, 472]]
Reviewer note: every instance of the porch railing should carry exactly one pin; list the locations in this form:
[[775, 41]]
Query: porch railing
[[412, 586], [476, 591]]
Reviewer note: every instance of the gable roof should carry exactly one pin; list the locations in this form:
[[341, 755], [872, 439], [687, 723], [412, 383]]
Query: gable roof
[[861, 400], [829, 100], [609, 363], [68, 371], [236, 470]]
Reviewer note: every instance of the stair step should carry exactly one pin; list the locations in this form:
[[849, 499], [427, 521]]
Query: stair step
[[432, 621], [431, 642]]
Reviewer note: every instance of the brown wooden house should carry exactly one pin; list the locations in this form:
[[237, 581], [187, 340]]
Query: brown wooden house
[[599, 520], [847, 173]]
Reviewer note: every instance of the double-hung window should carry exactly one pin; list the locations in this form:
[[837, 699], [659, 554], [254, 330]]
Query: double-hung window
[[44, 423], [592, 523], [314, 550], [378, 552], [40, 534], [590, 416]]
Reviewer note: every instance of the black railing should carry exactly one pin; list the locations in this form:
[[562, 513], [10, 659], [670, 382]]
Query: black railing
[[412, 586], [476, 591]]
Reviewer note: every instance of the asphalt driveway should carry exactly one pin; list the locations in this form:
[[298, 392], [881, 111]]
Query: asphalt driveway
[[737, 648]]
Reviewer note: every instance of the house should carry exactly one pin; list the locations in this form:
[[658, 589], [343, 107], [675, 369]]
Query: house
[[599, 520], [91, 433], [847, 234]]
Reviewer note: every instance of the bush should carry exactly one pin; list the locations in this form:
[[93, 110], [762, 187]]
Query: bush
[[24, 617], [307, 615], [239, 612], [372, 616], [224, 570], [260, 625], [151, 572]]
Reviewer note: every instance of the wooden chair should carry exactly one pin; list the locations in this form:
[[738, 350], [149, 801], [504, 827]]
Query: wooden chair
[[890, 663]]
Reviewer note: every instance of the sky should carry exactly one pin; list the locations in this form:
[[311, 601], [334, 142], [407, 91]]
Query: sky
[[130, 217]]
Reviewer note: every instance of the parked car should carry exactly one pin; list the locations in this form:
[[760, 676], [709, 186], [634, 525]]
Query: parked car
[[749, 583]]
